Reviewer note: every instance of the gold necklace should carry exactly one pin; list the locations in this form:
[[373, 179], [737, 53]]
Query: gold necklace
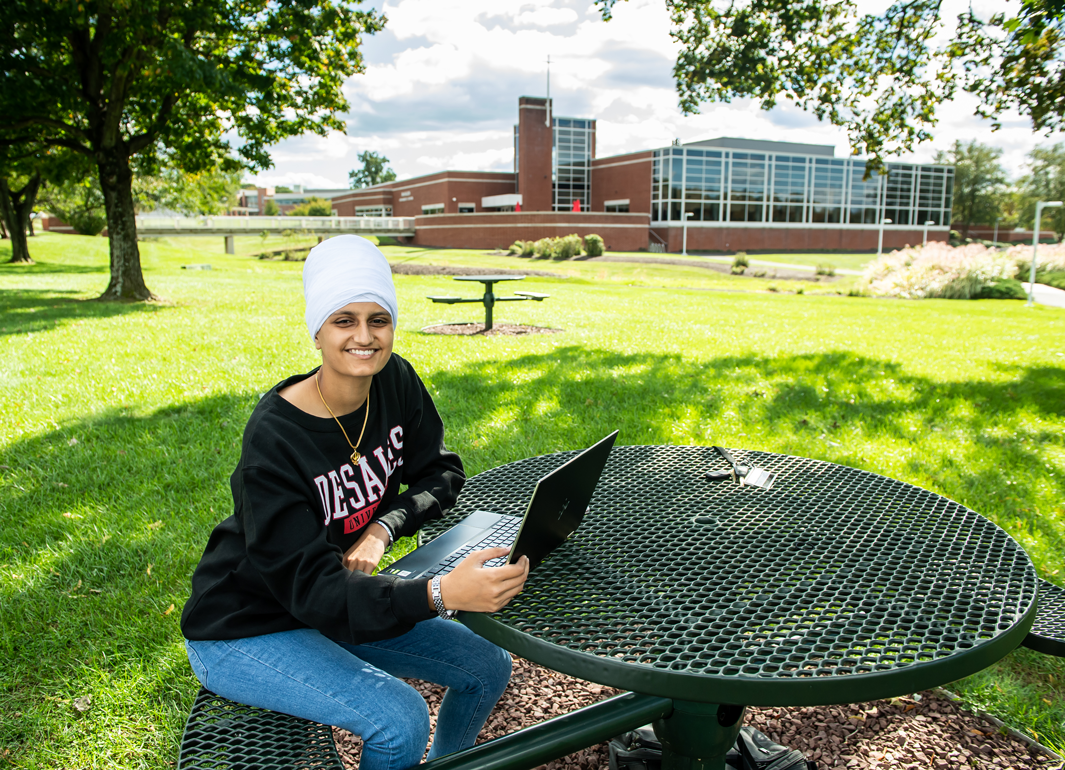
[[355, 456]]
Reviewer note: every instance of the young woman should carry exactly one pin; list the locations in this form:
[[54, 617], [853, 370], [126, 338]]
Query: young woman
[[284, 612]]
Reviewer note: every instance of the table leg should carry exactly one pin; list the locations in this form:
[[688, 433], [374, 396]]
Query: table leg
[[696, 736], [489, 300]]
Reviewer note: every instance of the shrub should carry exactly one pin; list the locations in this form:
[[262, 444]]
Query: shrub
[[938, 270], [740, 263], [544, 248], [1055, 278], [315, 207], [594, 246], [825, 269], [800, 290], [522, 248], [1007, 288], [568, 246], [1051, 259], [270, 208]]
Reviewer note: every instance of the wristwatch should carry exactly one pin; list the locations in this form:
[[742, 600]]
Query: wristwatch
[[438, 601]]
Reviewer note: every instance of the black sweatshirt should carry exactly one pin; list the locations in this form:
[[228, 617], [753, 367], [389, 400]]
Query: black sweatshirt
[[299, 503]]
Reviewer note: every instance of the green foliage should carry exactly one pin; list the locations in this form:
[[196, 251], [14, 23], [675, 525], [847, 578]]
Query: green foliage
[[79, 203], [1005, 288], [1055, 278], [566, 247], [374, 170], [314, 207], [824, 268], [1016, 62], [172, 84], [208, 192], [594, 245], [1045, 181], [522, 248], [882, 78], [569, 246], [270, 208], [740, 263], [545, 248], [979, 180]]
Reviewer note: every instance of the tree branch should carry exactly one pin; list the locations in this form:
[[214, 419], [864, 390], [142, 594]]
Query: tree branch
[[43, 120]]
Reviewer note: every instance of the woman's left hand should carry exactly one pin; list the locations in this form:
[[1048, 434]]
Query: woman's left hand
[[366, 554]]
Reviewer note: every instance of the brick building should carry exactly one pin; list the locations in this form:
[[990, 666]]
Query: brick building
[[732, 195]]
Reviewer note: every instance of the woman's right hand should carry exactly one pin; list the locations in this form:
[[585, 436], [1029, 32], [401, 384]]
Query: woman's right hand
[[473, 587]]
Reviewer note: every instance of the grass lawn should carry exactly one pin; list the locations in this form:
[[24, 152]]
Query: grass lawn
[[120, 424]]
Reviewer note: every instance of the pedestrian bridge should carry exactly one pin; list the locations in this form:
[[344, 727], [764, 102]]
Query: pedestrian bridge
[[230, 227]]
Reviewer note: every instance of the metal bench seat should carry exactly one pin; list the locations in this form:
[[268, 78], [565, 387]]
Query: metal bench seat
[[533, 295], [1048, 632], [447, 300], [223, 735]]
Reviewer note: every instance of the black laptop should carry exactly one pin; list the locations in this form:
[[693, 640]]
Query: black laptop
[[555, 511]]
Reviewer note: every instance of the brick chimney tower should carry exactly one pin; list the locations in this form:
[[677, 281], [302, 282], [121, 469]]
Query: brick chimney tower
[[534, 153]]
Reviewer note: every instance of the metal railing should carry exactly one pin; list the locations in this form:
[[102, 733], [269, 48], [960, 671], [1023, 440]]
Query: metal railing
[[224, 224]]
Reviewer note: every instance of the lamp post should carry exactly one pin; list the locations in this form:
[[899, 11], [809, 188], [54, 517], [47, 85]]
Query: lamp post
[[880, 236], [927, 222], [684, 248], [1039, 206]]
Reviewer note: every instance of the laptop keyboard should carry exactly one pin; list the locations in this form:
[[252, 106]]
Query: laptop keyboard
[[499, 536]]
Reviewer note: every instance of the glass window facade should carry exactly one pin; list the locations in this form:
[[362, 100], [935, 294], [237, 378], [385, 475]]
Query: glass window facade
[[733, 186], [571, 163]]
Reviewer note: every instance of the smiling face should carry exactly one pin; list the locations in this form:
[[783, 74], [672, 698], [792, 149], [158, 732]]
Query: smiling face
[[356, 341]]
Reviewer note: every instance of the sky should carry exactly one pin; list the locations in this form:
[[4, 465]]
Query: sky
[[442, 82]]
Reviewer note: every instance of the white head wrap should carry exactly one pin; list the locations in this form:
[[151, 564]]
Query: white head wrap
[[343, 270]]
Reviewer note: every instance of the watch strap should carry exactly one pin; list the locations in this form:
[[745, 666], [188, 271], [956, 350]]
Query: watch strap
[[438, 600]]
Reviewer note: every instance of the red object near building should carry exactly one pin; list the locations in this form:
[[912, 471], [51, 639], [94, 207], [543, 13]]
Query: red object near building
[[577, 205]]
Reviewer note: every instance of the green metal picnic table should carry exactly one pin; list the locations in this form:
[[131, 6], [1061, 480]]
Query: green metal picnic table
[[835, 585], [489, 299]]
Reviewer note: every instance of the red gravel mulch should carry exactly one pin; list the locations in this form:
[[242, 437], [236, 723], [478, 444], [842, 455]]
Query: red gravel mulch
[[902, 733], [497, 330]]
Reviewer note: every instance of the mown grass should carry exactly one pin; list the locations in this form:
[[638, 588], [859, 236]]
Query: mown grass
[[120, 423]]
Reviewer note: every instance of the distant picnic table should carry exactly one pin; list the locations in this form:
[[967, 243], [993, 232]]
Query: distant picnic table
[[490, 299]]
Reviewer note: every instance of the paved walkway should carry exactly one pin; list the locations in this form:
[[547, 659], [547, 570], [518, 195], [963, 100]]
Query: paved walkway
[[1046, 295]]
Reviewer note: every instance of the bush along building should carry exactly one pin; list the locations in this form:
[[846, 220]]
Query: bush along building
[[730, 194]]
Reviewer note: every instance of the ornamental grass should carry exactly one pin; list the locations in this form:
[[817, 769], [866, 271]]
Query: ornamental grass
[[938, 270]]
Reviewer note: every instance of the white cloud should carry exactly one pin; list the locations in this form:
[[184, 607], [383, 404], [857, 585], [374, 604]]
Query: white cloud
[[546, 17], [442, 83]]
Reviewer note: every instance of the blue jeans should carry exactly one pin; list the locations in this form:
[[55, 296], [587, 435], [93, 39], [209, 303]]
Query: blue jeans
[[354, 686]]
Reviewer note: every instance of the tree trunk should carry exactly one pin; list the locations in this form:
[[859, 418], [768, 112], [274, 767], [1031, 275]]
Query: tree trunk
[[116, 181], [15, 207]]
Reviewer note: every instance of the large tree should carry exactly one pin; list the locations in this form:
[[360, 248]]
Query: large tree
[[167, 83], [27, 172], [1045, 181], [375, 170], [979, 180], [880, 77], [19, 184]]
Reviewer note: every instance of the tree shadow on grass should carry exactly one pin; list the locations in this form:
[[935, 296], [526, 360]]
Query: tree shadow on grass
[[26, 311], [99, 536], [989, 445], [41, 266], [101, 525]]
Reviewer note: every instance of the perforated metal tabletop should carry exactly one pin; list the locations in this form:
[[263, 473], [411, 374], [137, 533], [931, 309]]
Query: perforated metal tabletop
[[835, 585]]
